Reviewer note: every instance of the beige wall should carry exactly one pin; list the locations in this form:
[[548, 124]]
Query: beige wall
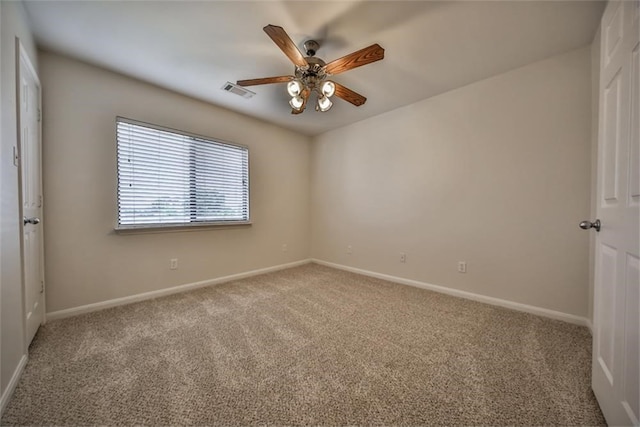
[[14, 24], [496, 173], [86, 262]]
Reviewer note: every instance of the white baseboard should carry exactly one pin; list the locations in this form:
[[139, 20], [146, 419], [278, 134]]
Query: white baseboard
[[583, 321], [69, 312], [8, 392], [570, 318]]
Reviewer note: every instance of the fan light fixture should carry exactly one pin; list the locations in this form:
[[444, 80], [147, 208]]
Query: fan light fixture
[[324, 91]]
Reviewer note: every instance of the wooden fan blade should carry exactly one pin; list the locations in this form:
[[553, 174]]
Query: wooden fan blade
[[284, 42], [305, 96], [362, 57], [349, 95], [264, 81]]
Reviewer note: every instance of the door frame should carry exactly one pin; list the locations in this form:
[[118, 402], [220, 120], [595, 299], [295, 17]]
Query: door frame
[[22, 55]]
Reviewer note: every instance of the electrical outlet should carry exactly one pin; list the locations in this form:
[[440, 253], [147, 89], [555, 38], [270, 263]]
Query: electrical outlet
[[284, 247], [173, 264], [403, 257], [349, 250], [462, 266]]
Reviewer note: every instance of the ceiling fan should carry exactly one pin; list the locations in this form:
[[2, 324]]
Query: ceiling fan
[[311, 73]]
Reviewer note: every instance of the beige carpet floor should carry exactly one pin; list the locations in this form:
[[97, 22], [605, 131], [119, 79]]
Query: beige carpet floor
[[308, 345]]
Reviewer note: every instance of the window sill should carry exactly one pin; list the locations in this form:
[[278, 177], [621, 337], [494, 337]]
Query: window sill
[[176, 228]]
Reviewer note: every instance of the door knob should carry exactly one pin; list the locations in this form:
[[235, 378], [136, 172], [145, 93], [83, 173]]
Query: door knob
[[33, 220], [585, 225]]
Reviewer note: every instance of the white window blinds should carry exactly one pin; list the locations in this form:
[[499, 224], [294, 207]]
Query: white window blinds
[[171, 178]]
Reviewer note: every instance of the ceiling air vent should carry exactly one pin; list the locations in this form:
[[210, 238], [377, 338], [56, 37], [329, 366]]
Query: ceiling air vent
[[238, 90]]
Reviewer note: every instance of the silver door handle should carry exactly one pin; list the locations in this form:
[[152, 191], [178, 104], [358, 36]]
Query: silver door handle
[[585, 225], [34, 220]]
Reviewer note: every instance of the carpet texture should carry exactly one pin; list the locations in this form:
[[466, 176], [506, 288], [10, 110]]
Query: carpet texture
[[308, 345]]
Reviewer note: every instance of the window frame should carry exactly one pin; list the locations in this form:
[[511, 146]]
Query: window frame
[[194, 224]]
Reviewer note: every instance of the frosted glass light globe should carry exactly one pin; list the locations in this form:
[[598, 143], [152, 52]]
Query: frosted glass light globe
[[328, 88], [324, 103], [294, 87], [296, 102]]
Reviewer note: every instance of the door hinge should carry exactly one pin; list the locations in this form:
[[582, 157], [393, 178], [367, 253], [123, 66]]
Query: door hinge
[[39, 201], [42, 286], [39, 115]]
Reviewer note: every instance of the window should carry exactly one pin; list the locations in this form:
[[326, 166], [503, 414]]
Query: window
[[172, 178]]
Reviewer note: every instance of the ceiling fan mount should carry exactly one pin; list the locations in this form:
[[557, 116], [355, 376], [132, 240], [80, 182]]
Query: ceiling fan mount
[[311, 47], [311, 73]]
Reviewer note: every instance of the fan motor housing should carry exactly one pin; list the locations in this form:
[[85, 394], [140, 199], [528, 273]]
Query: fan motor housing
[[315, 64], [313, 73]]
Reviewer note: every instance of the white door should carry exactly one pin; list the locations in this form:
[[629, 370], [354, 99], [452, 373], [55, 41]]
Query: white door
[[616, 344], [31, 194]]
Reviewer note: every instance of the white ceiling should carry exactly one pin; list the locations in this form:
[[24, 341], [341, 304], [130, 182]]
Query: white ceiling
[[194, 47]]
